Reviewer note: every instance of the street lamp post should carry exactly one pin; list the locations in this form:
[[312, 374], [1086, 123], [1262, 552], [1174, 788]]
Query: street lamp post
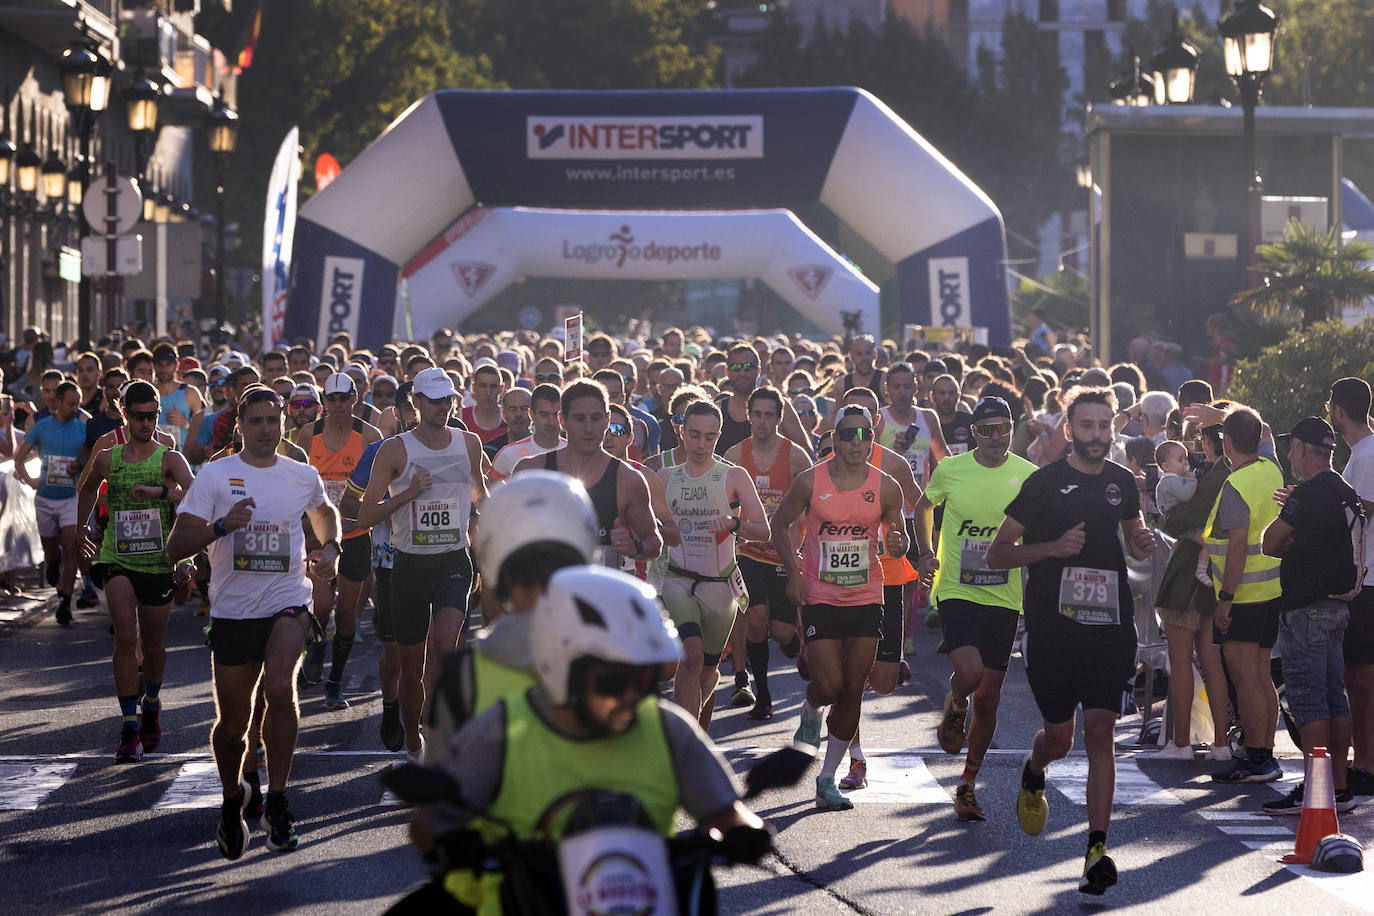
[[223, 135], [1248, 47], [86, 90], [1175, 69]]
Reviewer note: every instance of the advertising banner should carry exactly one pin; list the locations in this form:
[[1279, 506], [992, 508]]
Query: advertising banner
[[278, 231]]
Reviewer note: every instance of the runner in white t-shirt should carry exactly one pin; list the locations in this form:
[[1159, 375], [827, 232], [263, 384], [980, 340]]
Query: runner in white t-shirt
[[546, 433], [246, 509]]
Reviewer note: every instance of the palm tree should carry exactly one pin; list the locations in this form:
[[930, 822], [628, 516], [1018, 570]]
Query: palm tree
[[1311, 273]]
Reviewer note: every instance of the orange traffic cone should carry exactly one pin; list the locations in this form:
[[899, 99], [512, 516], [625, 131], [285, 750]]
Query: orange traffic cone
[[1318, 809]]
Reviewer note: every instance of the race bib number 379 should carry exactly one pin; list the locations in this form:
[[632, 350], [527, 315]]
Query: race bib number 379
[[1090, 596]]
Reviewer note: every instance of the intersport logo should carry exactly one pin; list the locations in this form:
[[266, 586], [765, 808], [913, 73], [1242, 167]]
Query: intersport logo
[[342, 297], [690, 137], [621, 247]]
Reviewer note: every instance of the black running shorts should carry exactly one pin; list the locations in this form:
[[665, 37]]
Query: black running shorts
[[990, 630], [767, 584], [422, 584]]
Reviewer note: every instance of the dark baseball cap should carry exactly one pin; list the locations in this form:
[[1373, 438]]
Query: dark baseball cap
[[1312, 431], [991, 408], [165, 353]]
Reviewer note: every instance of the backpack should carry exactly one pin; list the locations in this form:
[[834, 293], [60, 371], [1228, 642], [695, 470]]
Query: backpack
[[1354, 511]]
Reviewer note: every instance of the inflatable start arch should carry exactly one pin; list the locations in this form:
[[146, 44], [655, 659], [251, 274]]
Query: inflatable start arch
[[664, 150], [486, 250]]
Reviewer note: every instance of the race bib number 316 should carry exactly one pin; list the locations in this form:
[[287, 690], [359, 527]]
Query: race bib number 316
[[263, 547]]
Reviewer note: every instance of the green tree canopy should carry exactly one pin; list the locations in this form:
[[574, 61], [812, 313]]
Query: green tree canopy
[[1312, 274]]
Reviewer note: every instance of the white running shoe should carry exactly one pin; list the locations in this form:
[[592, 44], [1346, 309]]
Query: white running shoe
[[1220, 752], [1173, 751]]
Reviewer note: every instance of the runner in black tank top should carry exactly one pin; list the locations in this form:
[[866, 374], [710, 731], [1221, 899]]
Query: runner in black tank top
[[603, 494], [732, 431]]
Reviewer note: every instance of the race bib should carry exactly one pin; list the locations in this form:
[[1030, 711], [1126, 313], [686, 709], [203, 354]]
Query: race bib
[[844, 563], [917, 459], [61, 471], [138, 532], [1090, 596], [738, 590], [958, 448], [263, 547], [973, 565], [435, 522], [334, 490]]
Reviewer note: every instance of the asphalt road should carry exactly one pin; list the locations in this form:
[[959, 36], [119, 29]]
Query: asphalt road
[[79, 832]]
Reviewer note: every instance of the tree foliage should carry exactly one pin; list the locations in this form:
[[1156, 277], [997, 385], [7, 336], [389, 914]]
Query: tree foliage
[[1291, 380], [1312, 274], [1003, 128]]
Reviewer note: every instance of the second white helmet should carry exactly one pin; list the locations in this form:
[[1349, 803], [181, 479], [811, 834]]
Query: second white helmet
[[591, 612], [531, 512]]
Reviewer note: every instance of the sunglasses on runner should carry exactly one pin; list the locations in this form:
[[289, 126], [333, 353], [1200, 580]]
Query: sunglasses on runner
[[338, 398], [144, 416], [851, 433], [806, 411], [617, 429], [551, 378], [988, 430], [303, 403], [743, 367], [621, 678]]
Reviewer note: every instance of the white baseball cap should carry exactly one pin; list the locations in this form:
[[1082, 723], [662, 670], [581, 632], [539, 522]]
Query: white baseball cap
[[434, 384], [306, 391], [339, 383]]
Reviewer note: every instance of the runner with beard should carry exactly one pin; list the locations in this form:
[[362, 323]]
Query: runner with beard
[[742, 368], [1080, 632]]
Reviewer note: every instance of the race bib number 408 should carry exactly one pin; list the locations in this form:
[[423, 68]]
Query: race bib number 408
[[435, 522]]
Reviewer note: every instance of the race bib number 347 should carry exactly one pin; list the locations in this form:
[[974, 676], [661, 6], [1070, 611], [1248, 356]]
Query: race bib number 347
[[138, 532]]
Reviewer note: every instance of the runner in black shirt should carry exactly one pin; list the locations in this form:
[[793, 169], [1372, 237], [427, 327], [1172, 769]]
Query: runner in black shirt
[[1080, 629]]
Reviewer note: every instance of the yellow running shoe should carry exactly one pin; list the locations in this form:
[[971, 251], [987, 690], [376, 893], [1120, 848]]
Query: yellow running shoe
[[1031, 808], [1099, 871]]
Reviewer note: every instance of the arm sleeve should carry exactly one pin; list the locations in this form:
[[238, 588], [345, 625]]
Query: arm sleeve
[[705, 782], [1025, 507]]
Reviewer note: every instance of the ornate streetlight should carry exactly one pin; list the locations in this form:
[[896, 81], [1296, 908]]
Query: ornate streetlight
[[1247, 37], [223, 133], [1175, 69]]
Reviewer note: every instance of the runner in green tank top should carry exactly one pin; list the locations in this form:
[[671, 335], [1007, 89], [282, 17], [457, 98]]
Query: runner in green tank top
[[145, 480]]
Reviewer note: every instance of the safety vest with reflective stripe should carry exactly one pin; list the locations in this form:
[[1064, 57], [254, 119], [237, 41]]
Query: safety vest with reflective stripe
[[1255, 483]]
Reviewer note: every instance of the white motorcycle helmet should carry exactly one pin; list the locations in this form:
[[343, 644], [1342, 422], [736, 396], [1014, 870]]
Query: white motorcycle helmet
[[595, 613], [534, 515]]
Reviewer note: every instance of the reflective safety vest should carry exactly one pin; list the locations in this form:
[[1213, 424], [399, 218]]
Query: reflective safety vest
[[1255, 483], [492, 680], [543, 768]]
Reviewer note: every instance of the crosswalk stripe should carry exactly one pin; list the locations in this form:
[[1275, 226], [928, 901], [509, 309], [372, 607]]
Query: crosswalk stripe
[[197, 785], [1247, 830], [1233, 816], [23, 786], [1070, 778], [900, 779]]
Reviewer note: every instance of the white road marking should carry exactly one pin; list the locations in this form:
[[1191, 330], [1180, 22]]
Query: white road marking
[[1070, 778], [1233, 816], [899, 779], [196, 786], [23, 786], [1248, 830]]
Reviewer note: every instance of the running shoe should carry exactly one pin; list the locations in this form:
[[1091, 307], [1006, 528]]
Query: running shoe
[[1292, 802], [417, 756], [252, 811], [808, 732], [333, 699], [829, 797], [1173, 751], [312, 672], [393, 733], [966, 805], [281, 827], [88, 599], [150, 727], [1220, 753], [130, 748], [953, 731], [233, 830], [1031, 808], [1099, 871], [933, 620], [743, 696], [1247, 771], [64, 612], [763, 710], [858, 775], [903, 672], [1361, 782]]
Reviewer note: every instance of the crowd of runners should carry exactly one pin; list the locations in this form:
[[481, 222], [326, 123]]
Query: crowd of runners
[[828, 496]]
